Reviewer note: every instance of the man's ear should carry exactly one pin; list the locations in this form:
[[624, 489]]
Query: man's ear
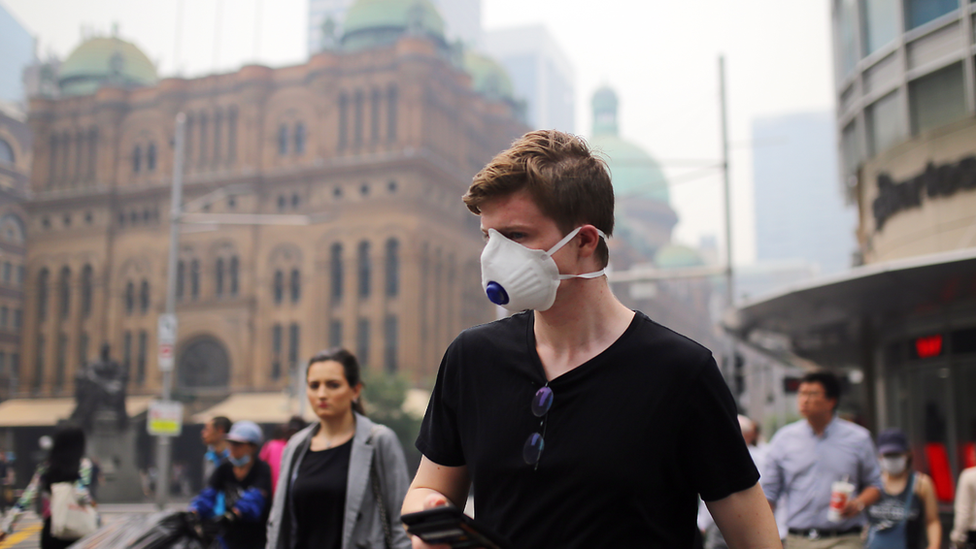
[[589, 238]]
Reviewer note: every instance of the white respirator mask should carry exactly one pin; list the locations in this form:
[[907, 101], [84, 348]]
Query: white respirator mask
[[895, 465], [520, 278]]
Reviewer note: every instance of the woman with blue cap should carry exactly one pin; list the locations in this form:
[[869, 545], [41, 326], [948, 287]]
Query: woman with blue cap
[[906, 516], [245, 482]]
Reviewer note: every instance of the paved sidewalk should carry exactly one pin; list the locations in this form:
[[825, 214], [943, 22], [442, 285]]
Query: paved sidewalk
[[28, 532]]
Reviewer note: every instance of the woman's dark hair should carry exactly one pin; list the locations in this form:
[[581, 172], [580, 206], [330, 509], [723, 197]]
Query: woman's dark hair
[[68, 448], [350, 367]]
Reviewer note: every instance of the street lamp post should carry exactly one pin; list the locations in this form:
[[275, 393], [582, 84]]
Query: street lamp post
[[163, 447]]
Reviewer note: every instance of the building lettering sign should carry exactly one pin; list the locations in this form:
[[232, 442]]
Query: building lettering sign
[[935, 181]]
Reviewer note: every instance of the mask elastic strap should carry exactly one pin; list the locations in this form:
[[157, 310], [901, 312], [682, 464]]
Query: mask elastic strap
[[569, 237], [594, 274]]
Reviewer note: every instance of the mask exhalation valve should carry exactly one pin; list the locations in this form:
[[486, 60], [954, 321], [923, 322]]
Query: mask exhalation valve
[[496, 294]]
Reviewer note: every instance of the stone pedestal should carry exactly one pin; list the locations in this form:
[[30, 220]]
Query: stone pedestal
[[115, 450]]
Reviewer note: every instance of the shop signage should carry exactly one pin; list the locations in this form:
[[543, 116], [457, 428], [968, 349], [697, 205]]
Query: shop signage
[[935, 181]]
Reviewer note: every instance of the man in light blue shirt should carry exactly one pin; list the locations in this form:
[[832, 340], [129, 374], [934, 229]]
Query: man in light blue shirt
[[805, 458]]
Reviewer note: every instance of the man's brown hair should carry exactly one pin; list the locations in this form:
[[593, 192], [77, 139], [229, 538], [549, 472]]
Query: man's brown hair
[[565, 180]]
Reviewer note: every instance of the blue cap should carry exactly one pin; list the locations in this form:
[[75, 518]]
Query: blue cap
[[245, 431], [892, 441]]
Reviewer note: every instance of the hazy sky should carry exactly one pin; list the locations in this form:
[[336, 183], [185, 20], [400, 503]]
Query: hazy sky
[[660, 56]]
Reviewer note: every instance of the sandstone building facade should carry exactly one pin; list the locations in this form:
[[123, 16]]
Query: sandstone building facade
[[374, 142]]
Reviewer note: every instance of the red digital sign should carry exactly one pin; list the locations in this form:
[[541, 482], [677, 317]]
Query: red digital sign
[[929, 346]]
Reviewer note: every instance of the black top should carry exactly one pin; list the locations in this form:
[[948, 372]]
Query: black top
[[633, 436], [319, 497], [889, 511], [244, 534]]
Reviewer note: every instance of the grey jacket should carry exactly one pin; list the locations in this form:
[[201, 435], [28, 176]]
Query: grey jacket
[[361, 527]]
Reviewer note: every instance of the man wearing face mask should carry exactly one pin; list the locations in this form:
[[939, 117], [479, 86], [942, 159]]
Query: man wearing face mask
[[243, 483], [580, 422]]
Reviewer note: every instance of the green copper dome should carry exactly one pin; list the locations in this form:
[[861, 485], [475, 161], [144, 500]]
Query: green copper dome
[[376, 23], [488, 77], [676, 256], [635, 174], [105, 60]]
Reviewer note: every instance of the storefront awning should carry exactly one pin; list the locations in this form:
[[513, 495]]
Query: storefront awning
[[827, 316], [257, 407], [41, 412]]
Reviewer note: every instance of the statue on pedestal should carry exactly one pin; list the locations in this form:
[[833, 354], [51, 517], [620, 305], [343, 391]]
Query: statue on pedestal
[[100, 385]]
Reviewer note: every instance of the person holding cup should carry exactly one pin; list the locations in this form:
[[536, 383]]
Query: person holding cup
[[825, 467]]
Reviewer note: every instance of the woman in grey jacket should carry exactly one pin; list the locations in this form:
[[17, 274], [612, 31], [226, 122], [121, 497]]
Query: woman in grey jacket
[[343, 479]]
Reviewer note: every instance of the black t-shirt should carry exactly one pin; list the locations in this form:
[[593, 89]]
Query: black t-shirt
[[633, 437], [319, 497], [244, 534]]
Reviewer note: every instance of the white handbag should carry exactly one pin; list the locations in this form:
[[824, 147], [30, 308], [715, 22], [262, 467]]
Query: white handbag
[[73, 515]]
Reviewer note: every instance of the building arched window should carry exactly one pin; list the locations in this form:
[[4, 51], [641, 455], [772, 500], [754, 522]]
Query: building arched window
[[335, 270], [180, 278], [364, 269], [374, 115], [296, 285], [218, 133], [136, 159], [65, 155], [194, 279], [86, 291], [42, 289], [279, 287], [343, 120], [130, 297], [202, 148], [358, 119], [282, 140], [151, 157], [219, 277], [391, 113], [79, 156], [52, 168], [64, 292], [144, 297], [188, 142], [232, 134], [235, 269], [92, 153], [392, 267], [6, 153], [299, 138]]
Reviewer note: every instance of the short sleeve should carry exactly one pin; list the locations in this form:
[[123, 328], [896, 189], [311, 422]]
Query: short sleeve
[[772, 473], [714, 453], [439, 439], [870, 469]]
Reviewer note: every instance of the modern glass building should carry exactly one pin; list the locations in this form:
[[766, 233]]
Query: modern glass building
[[905, 321]]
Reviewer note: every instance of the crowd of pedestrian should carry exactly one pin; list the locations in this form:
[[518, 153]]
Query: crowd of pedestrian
[[577, 421]]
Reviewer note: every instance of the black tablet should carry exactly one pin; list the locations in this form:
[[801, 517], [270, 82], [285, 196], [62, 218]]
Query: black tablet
[[448, 525]]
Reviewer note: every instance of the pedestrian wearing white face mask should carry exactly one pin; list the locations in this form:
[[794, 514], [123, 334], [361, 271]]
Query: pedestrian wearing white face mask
[[906, 516], [580, 422]]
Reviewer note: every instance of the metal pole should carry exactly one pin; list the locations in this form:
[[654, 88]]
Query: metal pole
[[729, 286], [176, 211]]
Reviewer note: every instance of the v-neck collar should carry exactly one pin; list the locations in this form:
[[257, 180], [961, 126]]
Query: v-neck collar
[[540, 370]]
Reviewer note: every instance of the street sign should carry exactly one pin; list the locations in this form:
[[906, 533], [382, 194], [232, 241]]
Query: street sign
[[167, 329], [165, 418], [165, 357]]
